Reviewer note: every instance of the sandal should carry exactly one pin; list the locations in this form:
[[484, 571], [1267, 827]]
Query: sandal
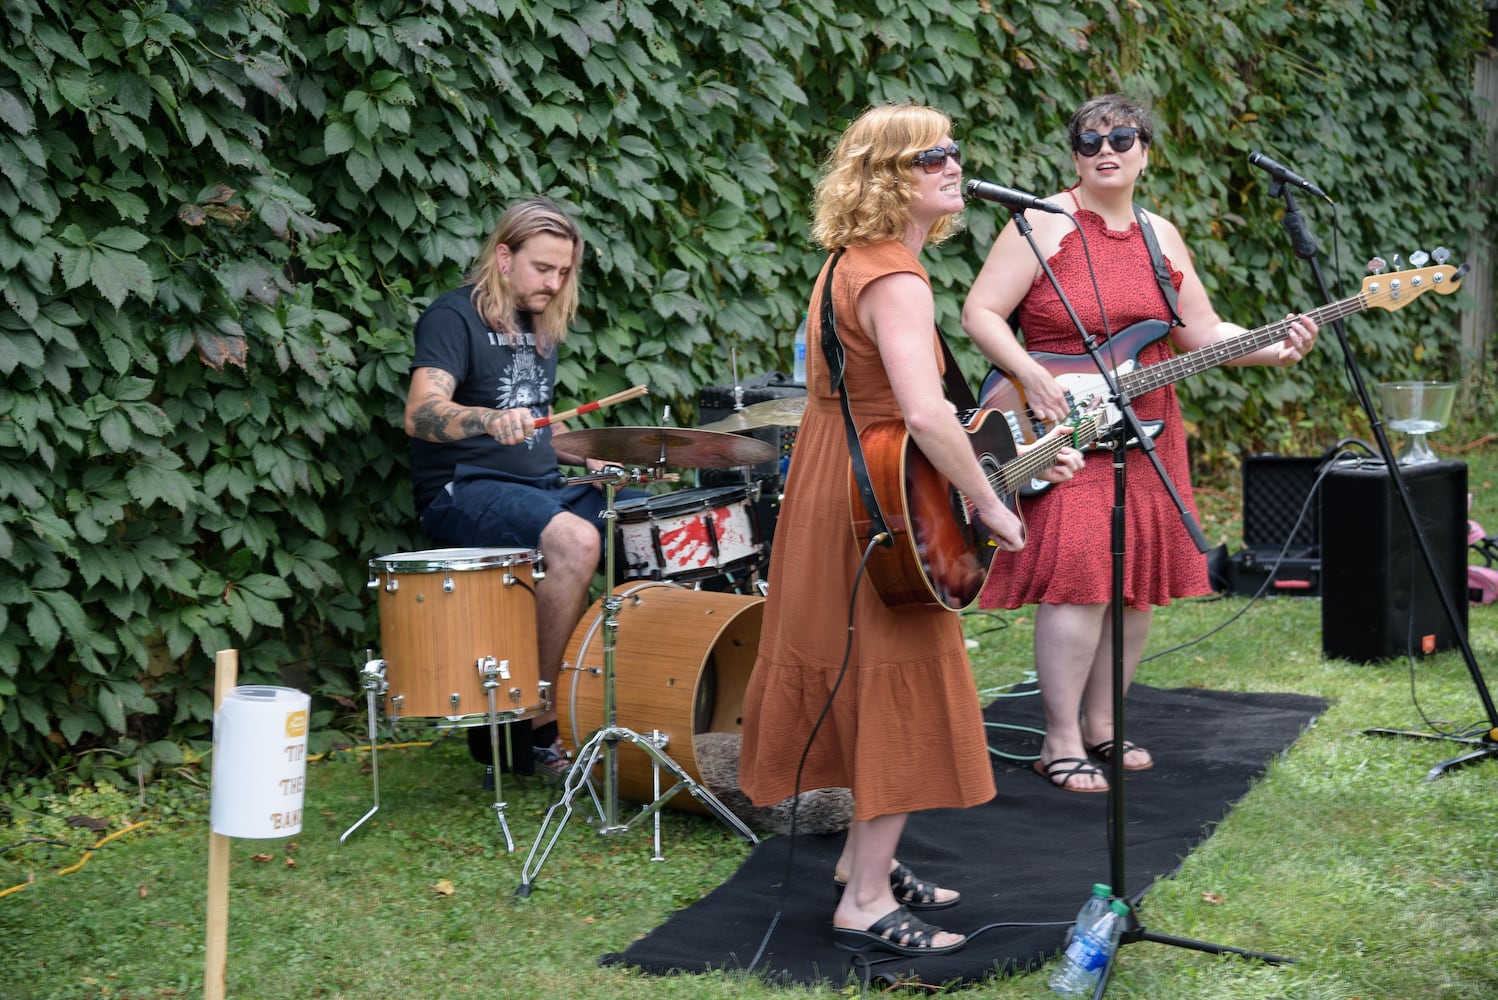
[[898, 931], [1079, 765], [912, 891], [1104, 752]]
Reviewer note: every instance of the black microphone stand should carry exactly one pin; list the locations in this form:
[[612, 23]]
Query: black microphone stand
[[1304, 246], [1127, 431]]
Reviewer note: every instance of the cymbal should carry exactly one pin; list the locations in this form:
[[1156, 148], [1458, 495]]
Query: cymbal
[[783, 412], [683, 447]]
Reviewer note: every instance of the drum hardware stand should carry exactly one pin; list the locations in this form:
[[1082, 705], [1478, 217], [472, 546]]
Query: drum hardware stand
[[375, 686], [604, 743], [492, 671]]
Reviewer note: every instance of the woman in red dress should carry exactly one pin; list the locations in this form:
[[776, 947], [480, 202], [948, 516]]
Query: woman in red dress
[[1066, 567]]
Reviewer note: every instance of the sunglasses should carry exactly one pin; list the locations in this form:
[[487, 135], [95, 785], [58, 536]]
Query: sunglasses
[[1090, 143], [935, 159]]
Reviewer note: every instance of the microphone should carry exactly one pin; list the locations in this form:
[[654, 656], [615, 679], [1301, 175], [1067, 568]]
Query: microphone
[[1284, 174], [1015, 201]]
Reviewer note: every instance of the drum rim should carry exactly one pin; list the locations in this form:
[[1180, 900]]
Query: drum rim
[[454, 559], [679, 502]]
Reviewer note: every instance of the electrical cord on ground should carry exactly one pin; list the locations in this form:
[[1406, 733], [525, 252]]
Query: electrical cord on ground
[[790, 853], [1329, 457], [81, 861], [860, 963]]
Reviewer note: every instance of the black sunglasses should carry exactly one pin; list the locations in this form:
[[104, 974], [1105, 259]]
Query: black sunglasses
[[1090, 143], [935, 159]]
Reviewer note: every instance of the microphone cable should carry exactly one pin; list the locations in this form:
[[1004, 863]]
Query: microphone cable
[[790, 854], [1329, 457]]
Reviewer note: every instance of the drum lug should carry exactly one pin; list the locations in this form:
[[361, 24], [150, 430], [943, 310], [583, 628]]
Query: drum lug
[[538, 568], [447, 583], [397, 702], [392, 585]]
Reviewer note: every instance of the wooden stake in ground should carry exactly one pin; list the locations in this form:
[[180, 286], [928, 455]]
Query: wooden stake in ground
[[216, 948]]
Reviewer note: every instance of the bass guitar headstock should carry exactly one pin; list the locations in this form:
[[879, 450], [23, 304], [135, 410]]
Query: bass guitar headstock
[[1398, 288]]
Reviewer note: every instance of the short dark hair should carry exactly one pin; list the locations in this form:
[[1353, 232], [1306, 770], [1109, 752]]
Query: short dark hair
[[1114, 109]]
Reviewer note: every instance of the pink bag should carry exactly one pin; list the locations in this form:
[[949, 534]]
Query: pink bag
[[1482, 581]]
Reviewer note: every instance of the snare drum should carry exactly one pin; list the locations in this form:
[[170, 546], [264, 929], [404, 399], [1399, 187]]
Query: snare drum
[[452, 620], [689, 534]]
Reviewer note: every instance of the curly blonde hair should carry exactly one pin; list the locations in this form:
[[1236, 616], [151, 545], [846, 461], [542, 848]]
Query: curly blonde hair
[[868, 182], [492, 295]]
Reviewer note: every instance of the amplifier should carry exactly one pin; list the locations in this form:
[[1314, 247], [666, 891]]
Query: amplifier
[[715, 402], [1379, 599]]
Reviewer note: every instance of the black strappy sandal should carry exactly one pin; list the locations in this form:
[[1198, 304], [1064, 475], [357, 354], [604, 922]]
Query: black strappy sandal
[[912, 891], [899, 931]]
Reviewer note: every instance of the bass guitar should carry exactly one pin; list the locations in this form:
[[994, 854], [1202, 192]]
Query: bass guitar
[[1083, 384], [941, 552]]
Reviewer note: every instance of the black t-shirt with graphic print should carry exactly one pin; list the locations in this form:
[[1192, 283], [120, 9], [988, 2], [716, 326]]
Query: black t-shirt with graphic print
[[450, 335]]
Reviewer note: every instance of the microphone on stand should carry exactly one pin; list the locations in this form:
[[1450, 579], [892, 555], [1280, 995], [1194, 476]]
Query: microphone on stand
[[1015, 201], [1284, 174]]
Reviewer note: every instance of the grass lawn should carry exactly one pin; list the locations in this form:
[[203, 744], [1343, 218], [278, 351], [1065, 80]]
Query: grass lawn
[[1379, 882]]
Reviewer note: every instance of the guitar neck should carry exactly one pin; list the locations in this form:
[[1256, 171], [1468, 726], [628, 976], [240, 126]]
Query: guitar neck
[[1010, 476], [1144, 380]]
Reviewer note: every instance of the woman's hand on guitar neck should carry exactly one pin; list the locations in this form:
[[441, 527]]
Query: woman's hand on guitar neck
[[1300, 341]]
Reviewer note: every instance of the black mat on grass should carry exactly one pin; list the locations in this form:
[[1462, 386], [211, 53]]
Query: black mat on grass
[[1029, 856]]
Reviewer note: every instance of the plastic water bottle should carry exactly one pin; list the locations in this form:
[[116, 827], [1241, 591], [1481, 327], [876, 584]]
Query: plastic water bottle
[[798, 372], [1092, 910], [1087, 955]]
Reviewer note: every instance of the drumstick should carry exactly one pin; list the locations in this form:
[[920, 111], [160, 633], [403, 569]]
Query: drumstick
[[618, 397]]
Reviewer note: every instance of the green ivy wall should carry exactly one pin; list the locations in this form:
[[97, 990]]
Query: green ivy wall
[[222, 218]]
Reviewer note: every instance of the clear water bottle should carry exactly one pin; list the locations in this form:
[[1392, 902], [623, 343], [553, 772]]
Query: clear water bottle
[[1093, 909], [798, 371], [1087, 955]]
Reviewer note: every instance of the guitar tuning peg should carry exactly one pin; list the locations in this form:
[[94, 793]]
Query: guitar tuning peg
[[1377, 265], [1441, 255], [1418, 258], [1397, 264]]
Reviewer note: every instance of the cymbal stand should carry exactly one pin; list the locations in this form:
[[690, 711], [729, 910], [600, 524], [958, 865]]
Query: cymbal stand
[[603, 746]]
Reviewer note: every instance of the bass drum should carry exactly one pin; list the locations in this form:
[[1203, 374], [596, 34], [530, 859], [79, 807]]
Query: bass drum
[[682, 660]]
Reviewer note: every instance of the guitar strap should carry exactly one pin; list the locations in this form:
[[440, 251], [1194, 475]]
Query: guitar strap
[[837, 359], [958, 391], [1157, 261]]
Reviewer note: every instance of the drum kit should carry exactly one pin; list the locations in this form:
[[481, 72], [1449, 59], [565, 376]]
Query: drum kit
[[458, 630]]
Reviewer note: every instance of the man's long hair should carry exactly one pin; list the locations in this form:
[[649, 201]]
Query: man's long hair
[[868, 182], [492, 295]]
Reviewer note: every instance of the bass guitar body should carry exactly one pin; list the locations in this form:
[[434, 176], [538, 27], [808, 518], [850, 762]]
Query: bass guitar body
[[1078, 377]]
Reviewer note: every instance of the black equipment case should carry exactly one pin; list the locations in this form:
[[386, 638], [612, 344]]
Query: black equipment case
[[1276, 495]]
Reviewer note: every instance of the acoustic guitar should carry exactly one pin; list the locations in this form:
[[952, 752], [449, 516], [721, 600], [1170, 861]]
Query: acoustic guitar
[[941, 552]]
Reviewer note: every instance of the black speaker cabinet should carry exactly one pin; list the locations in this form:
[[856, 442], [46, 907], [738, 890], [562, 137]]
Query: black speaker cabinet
[[1379, 599]]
